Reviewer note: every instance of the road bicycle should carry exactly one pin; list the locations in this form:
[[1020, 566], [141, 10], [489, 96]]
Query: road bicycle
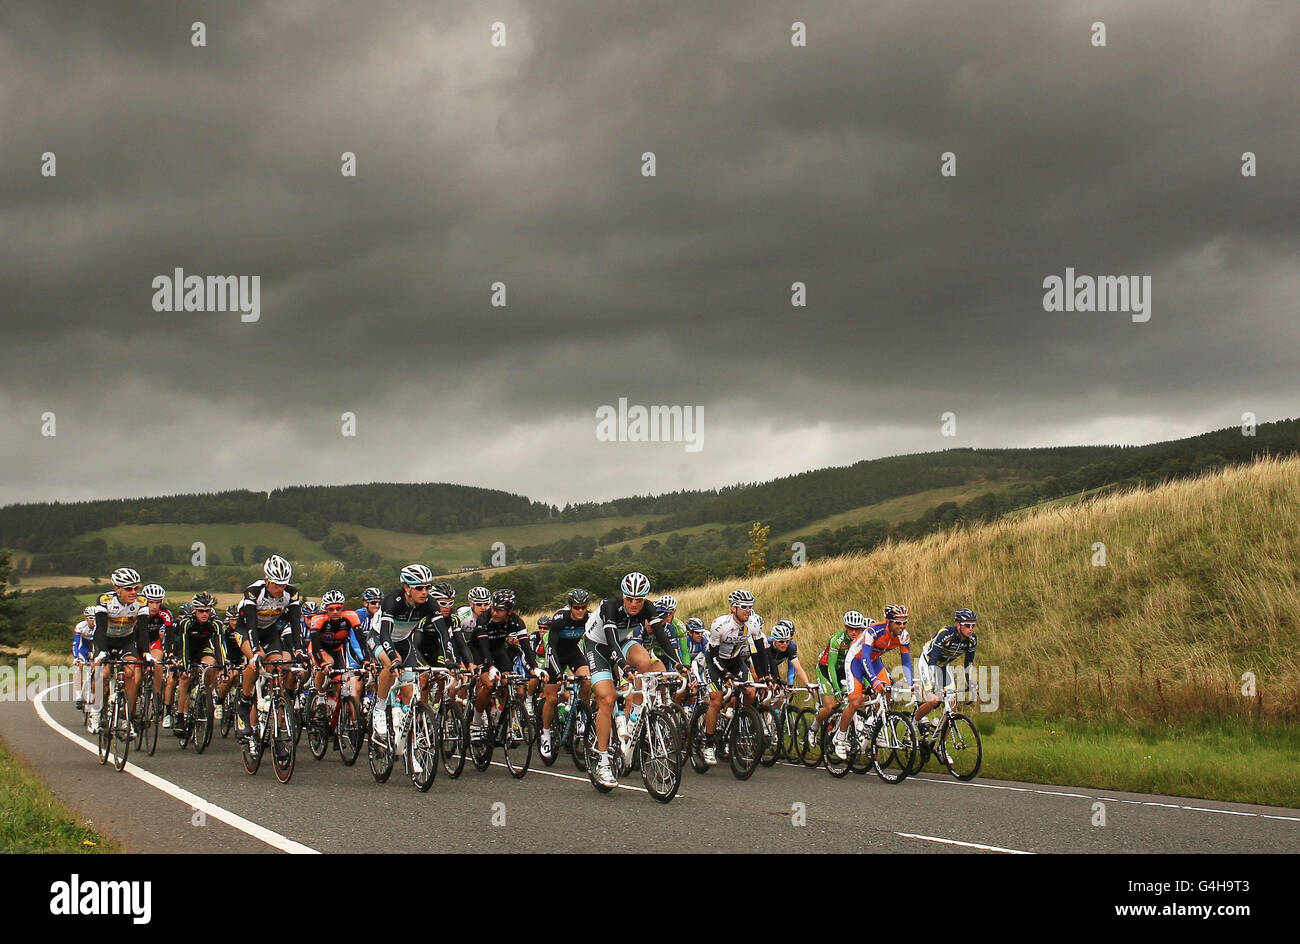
[[739, 734], [954, 740], [334, 720], [198, 715], [146, 718], [509, 726], [651, 735], [878, 739], [569, 725], [114, 724], [274, 720], [414, 732]]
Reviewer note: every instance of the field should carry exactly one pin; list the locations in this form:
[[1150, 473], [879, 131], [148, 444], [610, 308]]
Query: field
[[1185, 632]]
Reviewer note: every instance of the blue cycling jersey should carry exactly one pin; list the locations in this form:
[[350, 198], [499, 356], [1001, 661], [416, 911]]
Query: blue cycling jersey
[[775, 657]]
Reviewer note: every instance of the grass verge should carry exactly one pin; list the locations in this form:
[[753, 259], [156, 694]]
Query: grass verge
[[1236, 762], [33, 820]]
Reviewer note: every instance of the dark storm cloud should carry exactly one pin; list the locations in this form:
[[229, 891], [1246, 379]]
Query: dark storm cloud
[[521, 164]]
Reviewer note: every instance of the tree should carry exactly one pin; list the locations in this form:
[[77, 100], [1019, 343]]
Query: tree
[[758, 549], [8, 606]]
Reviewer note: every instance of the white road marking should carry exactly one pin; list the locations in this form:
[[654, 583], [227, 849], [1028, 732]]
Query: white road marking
[[194, 801], [968, 845], [1170, 806], [587, 780]]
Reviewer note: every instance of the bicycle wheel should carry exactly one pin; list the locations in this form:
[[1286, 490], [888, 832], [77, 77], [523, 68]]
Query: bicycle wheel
[[229, 705], [284, 739], [150, 733], [380, 755], [143, 713], [770, 728], [787, 719], [549, 755], [746, 742], [121, 735], [517, 738], [350, 732], [698, 740], [863, 759], [809, 738], [251, 747], [452, 741], [423, 747], [661, 768], [105, 733], [480, 745], [836, 765], [188, 720], [581, 725], [960, 749], [681, 723], [202, 727], [890, 745]]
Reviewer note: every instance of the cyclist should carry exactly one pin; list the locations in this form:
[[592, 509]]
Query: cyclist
[[371, 598], [196, 641], [830, 669], [864, 661], [389, 636], [445, 627], [608, 642], [234, 658], [490, 643], [564, 632], [674, 629], [785, 649], [332, 637], [480, 602], [937, 657], [161, 625], [731, 647], [697, 645], [82, 634], [270, 616], [121, 631]]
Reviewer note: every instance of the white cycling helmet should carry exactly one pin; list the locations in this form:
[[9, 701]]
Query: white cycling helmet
[[783, 631], [88, 612], [742, 598], [855, 620], [635, 584], [153, 591], [667, 603], [371, 595], [277, 569], [417, 575], [480, 595], [333, 598], [125, 577]]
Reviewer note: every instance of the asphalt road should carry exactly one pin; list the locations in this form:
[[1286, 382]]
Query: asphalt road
[[208, 803]]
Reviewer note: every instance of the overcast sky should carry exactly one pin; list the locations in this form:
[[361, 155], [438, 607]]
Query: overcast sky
[[522, 164]]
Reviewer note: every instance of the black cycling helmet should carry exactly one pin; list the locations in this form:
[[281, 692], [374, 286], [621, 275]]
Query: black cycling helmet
[[504, 599], [232, 610], [205, 600], [578, 597]]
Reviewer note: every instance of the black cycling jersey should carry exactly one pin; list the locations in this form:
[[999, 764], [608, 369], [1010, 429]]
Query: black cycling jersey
[[259, 612], [489, 635], [397, 619], [437, 640], [612, 627], [192, 638]]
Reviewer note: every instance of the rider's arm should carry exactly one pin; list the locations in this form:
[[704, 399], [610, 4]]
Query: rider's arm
[[834, 670], [758, 658], [905, 653], [483, 646], [294, 615], [615, 650], [101, 631], [667, 643], [142, 631]]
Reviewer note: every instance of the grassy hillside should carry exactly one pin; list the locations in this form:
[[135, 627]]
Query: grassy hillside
[[1201, 585], [904, 508]]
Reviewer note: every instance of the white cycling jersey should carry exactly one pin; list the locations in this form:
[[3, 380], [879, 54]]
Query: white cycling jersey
[[731, 638], [121, 616]]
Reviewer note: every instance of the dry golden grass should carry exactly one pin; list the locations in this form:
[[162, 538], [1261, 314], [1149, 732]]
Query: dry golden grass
[[1201, 585]]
